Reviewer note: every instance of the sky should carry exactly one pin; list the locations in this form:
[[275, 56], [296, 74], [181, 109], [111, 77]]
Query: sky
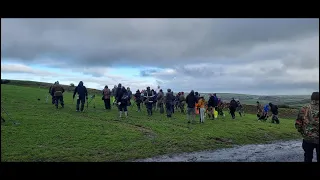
[[247, 56]]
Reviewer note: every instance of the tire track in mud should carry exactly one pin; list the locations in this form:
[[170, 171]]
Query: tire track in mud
[[281, 151]]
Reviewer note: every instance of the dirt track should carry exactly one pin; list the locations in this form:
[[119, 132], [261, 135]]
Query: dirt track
[[288, 151]]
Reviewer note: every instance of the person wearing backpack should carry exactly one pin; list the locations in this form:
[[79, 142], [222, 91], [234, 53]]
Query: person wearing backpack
[[274, 110], [122, 99], [307, 123], [232, 108], [57, 90], [138, 100]]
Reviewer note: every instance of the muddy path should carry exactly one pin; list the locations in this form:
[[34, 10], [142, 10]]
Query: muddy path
[[281, 151]]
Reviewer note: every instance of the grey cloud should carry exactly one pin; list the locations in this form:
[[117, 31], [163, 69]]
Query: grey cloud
[[231, 53], [18, 68], [156, 42], [147, 72]]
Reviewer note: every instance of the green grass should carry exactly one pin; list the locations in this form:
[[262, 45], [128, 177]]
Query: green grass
[[48, 134]]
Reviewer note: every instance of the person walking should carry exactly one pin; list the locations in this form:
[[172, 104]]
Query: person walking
[[307, 123]]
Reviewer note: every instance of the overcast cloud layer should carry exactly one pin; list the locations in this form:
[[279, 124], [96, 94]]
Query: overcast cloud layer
[[257, 56]]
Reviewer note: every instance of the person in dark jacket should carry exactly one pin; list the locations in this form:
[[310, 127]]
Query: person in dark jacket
[[50, 92], [122, 100], [211, 105], [82, 96], [148, 100], [274, 111], [191, 101], [118, 93], [169, 102], [182, 101], [138, 100], [154, 99], [57, 91], [233, 107], [113, 95], [106, 97], [160, 101], [130, 96], [240, 108]]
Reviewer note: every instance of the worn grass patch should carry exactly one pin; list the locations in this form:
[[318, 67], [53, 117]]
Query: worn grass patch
[[48, 134]]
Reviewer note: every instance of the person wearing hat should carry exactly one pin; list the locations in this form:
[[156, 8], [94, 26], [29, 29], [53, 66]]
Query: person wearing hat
[[169, 102], [307, 123]]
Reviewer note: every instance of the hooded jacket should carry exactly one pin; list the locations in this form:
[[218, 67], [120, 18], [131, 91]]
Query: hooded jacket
[[81, 90], [191, 100], [274, 108]]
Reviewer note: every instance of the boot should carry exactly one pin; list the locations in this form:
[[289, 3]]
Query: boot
[[126, 113], [120, 112]]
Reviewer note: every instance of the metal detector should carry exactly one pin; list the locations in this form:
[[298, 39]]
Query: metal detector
[[14, 122], [92, 98]]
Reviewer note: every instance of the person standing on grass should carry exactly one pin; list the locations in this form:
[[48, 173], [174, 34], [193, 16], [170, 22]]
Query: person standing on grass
[[182, 101], [122, 100], [82, 96], [211, 106], [169, 102], [50, 92], [232, 108], [264, 116], [200, 105], [106, 97], [307, 123], [138, 100], [259, 110], [240, 108], [113, 94], [57, 91], [130, 96], [274, 111], [191, 101], [149, 100], [220, 107], [160, 99]]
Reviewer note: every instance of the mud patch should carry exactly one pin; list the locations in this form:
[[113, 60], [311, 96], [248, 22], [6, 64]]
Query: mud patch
[[221, 140], [281, 151]]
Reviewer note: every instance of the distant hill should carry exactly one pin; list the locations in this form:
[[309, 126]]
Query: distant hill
[[44, 85], [293, 101]]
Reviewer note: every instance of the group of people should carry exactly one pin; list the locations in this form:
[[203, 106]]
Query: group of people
[[56, 91], [307, 122], [196, 104], [262, 112], [160, 101]]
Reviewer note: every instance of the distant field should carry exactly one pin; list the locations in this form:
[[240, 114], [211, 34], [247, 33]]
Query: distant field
[[294, 101], [48, 134]]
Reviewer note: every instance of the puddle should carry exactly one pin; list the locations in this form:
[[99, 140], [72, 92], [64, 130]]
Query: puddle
[[282, 151]]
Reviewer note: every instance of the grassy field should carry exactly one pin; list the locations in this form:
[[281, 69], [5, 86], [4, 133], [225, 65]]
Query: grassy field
[[49, 134]]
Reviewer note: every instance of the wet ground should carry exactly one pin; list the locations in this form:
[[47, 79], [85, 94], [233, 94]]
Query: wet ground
[[285, 151]]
